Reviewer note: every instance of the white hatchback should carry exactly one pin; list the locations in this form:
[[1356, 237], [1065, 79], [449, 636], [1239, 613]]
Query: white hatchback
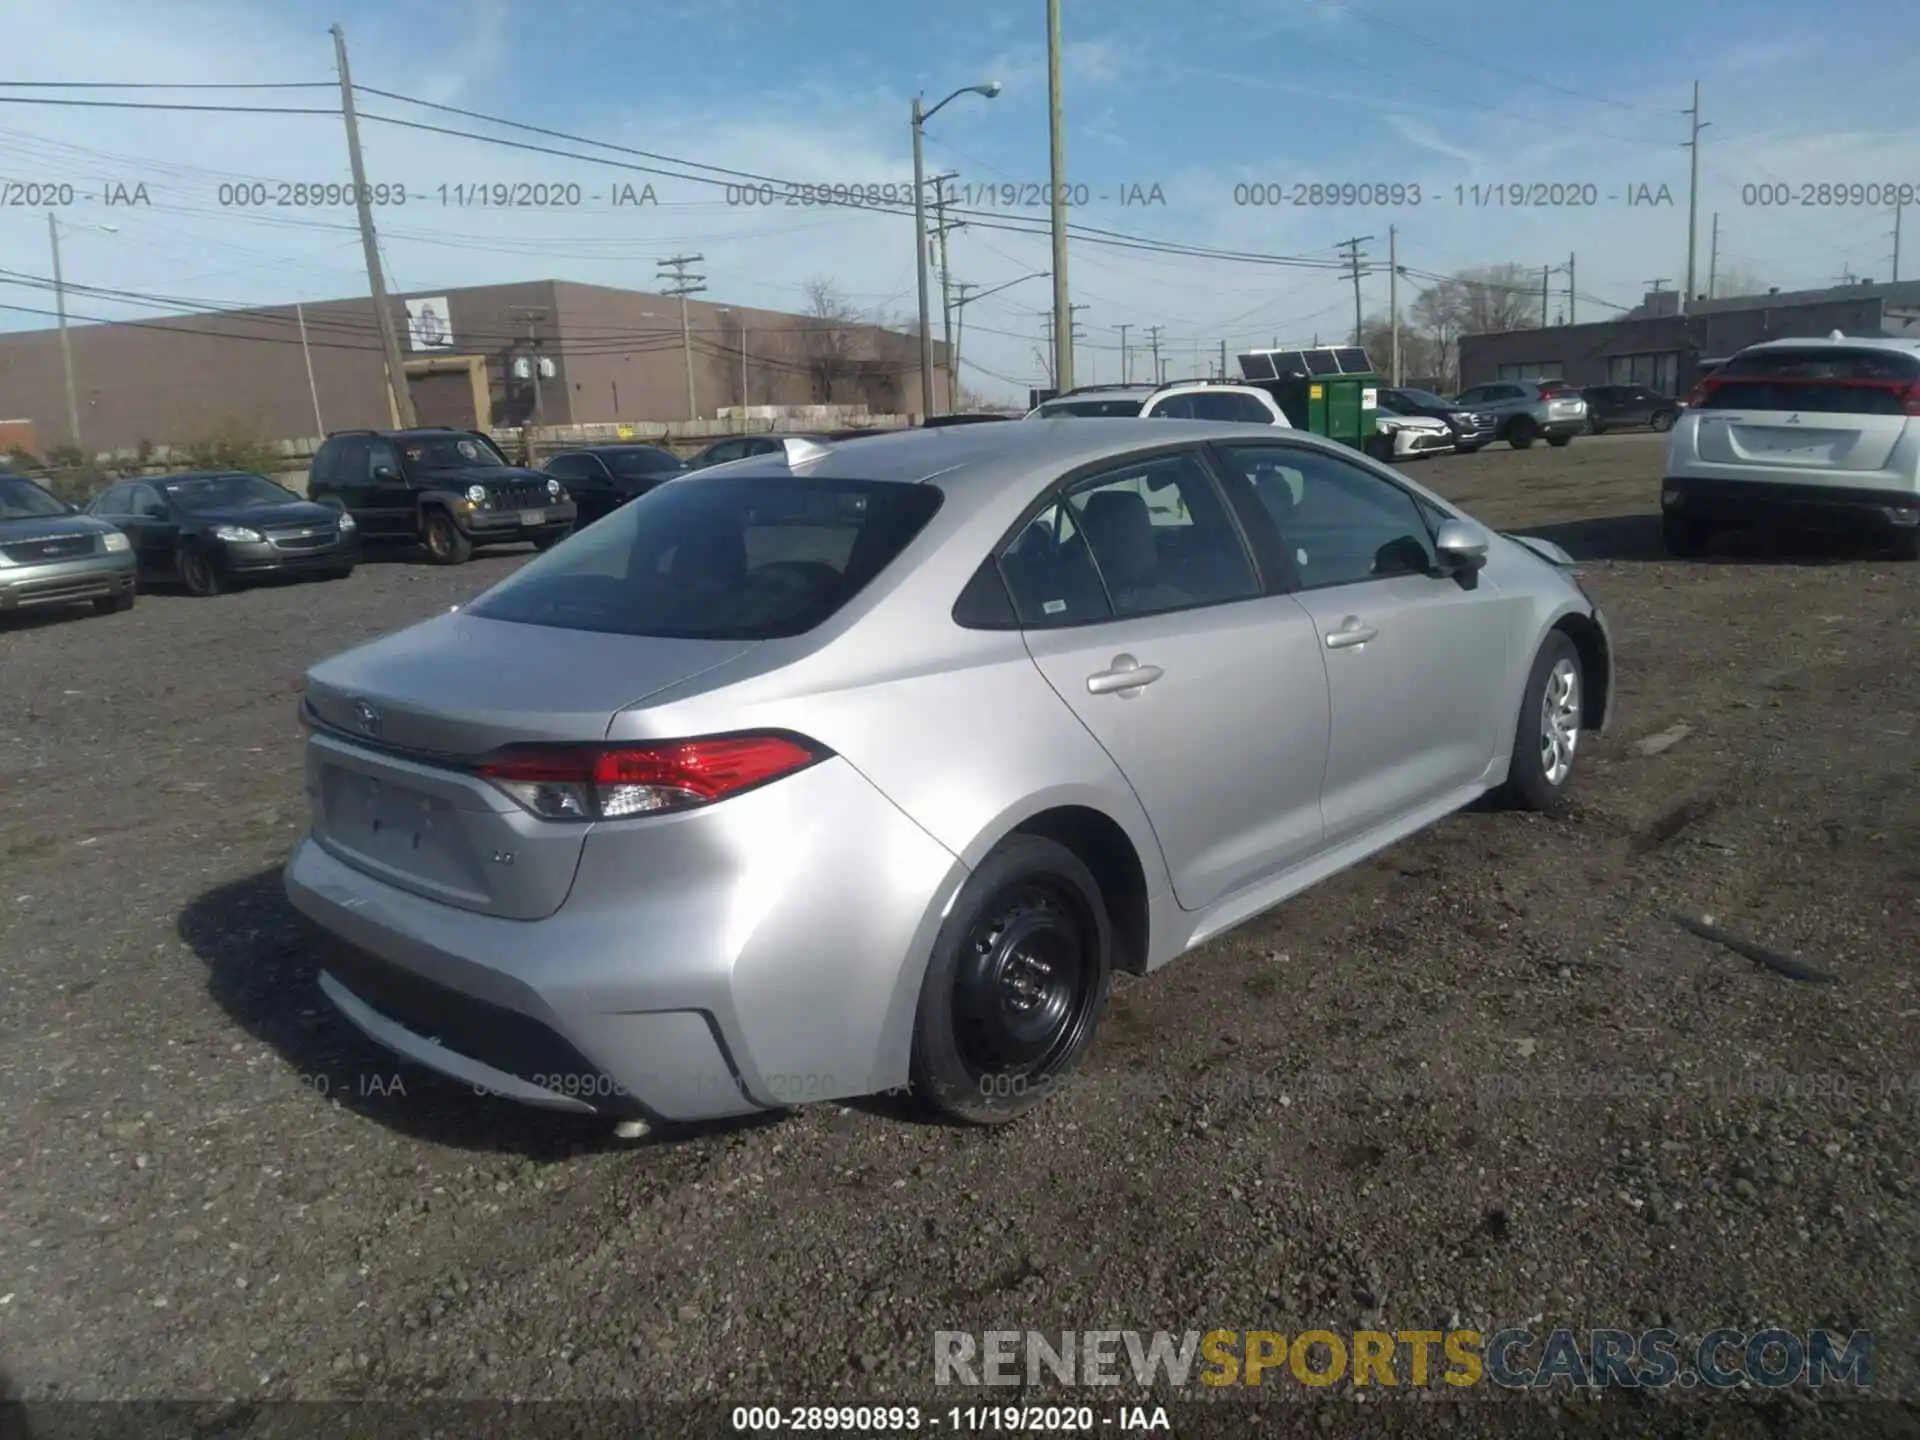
[[1814, 433]]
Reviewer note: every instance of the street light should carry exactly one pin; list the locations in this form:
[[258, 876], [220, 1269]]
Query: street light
[[60, 309], [920, 117]]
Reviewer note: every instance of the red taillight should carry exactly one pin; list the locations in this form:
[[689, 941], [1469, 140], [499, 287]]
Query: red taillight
[[1697, 396], [609, 782], [1913, 398]]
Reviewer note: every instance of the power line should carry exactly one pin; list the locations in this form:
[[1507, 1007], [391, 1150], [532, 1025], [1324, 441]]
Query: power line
[[165, 85]]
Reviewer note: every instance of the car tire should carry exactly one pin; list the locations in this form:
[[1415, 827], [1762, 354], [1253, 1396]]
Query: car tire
[[1016, 984], [1559, 442], [445, 544], [1663, 420], [1906, 545], [345, 572], [1594, 427], [1546, 738], [198, 572], [1521, 433], [113, 604], [1380, 448], [1686, 537]]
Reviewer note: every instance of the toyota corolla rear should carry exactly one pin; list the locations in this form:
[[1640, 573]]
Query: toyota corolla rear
[[677, 927], [1819, 432]]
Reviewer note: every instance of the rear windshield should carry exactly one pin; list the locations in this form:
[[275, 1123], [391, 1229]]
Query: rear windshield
[[1821, 381], [719, 558], [1829, 381], [1103, 409]]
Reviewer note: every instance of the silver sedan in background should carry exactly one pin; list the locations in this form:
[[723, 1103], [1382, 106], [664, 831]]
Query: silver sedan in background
[[838, 770]]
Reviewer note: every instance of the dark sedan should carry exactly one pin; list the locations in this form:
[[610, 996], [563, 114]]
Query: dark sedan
[[1471, 428], [606, 477], [212, 530], [739, 447], [1619, 407]]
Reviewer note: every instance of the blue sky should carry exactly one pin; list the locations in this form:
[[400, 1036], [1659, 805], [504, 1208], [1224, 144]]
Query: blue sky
[[1180, 106]]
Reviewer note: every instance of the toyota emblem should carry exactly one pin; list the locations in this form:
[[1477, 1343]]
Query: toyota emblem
[[368, 716]]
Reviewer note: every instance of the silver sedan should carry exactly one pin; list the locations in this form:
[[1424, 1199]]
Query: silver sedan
[[842, 770]]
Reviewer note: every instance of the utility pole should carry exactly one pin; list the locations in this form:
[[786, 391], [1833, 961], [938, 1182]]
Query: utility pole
[[1898, 207], [1052, 350], [1572, 299], [300, 314], [1153, 338], [1057, 146], [376, 282], [683, 286], [1693, 193], [1223, 359], [1393, 300], [960, 320], [1713, 256], [66, 345], [1076, 332], [533, 315], [1124, 368], [1545, 272], [946, 287], [1354, 257]]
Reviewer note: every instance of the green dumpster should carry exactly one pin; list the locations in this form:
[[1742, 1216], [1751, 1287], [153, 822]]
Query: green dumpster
[[1324, 390]]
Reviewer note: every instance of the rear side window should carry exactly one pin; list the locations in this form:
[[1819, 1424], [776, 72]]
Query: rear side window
[[1100, 409], [1213, 405], [325, 460], [720, 558], [1825, 380]]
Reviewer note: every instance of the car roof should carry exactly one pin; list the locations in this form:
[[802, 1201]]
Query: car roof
[[1838, 342], [993, 456]]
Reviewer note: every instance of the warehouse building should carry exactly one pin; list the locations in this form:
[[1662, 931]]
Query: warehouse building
[[1656, 346], [550, 351]]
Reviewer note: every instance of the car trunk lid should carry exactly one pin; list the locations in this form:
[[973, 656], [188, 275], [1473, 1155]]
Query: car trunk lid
[[400, 724]]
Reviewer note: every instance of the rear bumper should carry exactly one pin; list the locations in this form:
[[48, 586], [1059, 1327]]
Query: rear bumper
[[1745, 502], [756, 955], [1554, 429], [90, 577]]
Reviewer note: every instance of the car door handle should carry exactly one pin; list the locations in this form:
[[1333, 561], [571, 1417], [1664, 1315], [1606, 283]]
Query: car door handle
[[1350, 633], [1126, 674]]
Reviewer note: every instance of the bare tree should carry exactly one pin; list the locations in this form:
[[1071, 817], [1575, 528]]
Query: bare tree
[[827, 339], [1732, 280]]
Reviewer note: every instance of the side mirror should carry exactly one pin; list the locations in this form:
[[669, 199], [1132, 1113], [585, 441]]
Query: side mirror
[[1461, 546]]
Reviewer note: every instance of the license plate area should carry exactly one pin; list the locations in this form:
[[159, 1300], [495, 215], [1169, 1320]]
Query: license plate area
[[533, 517]]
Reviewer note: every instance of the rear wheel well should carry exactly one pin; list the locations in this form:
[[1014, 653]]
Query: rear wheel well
[[1596, 666], [1103, 847]]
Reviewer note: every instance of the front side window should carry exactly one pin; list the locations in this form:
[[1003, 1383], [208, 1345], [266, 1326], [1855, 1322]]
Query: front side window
[[1149, 537], [720, 558], [1340, 524], [21, 499], [225, 492], [145, 501]]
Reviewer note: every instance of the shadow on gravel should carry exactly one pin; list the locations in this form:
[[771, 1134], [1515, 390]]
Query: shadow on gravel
[[1637, 537], [262, 970], [411, 552]]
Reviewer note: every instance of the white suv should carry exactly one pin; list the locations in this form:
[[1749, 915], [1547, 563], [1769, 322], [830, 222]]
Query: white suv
[[1185, 400], [1819, 433]]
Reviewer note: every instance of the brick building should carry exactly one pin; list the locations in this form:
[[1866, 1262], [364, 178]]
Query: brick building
[[1656, 346], [472, 355]]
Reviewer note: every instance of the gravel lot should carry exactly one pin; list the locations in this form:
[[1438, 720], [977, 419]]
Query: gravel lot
[[1485, 1080]]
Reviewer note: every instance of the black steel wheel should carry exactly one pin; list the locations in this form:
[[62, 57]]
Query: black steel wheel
[[1016, 985]]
